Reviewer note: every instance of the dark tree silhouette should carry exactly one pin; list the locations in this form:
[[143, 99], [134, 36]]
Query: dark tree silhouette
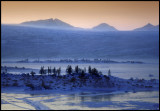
[[49, 70], [76, 69], [54, 71], [32, 73], [59, 71], [41, 70], [69, 69], [94, 71], [89, 70], [82, 73]]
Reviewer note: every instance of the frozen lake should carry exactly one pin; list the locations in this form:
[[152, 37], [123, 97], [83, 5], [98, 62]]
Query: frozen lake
[[119, 70], [91, 100]]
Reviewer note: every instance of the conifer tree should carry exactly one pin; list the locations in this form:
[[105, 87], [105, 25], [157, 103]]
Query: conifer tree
[[76, 69], [89, 70]]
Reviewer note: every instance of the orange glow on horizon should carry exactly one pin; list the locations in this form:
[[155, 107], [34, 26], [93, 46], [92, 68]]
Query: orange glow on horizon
[[123, 15]]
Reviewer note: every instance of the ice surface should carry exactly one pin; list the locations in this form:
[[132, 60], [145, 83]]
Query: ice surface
[[145, 100]]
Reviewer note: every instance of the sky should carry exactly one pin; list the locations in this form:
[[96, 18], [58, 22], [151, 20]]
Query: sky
[[123, 15]]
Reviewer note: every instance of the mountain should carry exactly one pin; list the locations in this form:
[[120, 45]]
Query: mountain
[[50, 23], [148, 27], [104, 27]]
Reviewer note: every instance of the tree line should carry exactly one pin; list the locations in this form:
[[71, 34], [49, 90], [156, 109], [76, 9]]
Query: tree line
[[69, 70]]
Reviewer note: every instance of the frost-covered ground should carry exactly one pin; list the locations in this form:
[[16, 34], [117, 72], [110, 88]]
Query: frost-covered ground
[[76, 81]]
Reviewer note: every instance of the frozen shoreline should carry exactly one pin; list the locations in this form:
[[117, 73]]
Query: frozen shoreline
[[23, 90]]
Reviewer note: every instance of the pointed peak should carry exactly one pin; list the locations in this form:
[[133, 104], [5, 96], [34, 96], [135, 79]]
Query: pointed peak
[[149, 24], [56, 19]]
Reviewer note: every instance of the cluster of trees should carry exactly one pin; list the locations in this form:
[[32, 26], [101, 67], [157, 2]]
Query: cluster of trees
[[50, 71], [78, 70], [70, 70]]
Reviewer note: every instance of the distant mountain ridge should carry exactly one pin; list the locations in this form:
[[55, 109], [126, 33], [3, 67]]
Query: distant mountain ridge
[[54, 23], [104, 27], [148, 27]]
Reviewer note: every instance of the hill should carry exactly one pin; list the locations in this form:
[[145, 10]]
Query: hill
[[148, 27], [104, 27]]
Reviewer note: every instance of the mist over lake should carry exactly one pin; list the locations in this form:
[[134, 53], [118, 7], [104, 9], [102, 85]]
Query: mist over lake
[[28, 42]]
